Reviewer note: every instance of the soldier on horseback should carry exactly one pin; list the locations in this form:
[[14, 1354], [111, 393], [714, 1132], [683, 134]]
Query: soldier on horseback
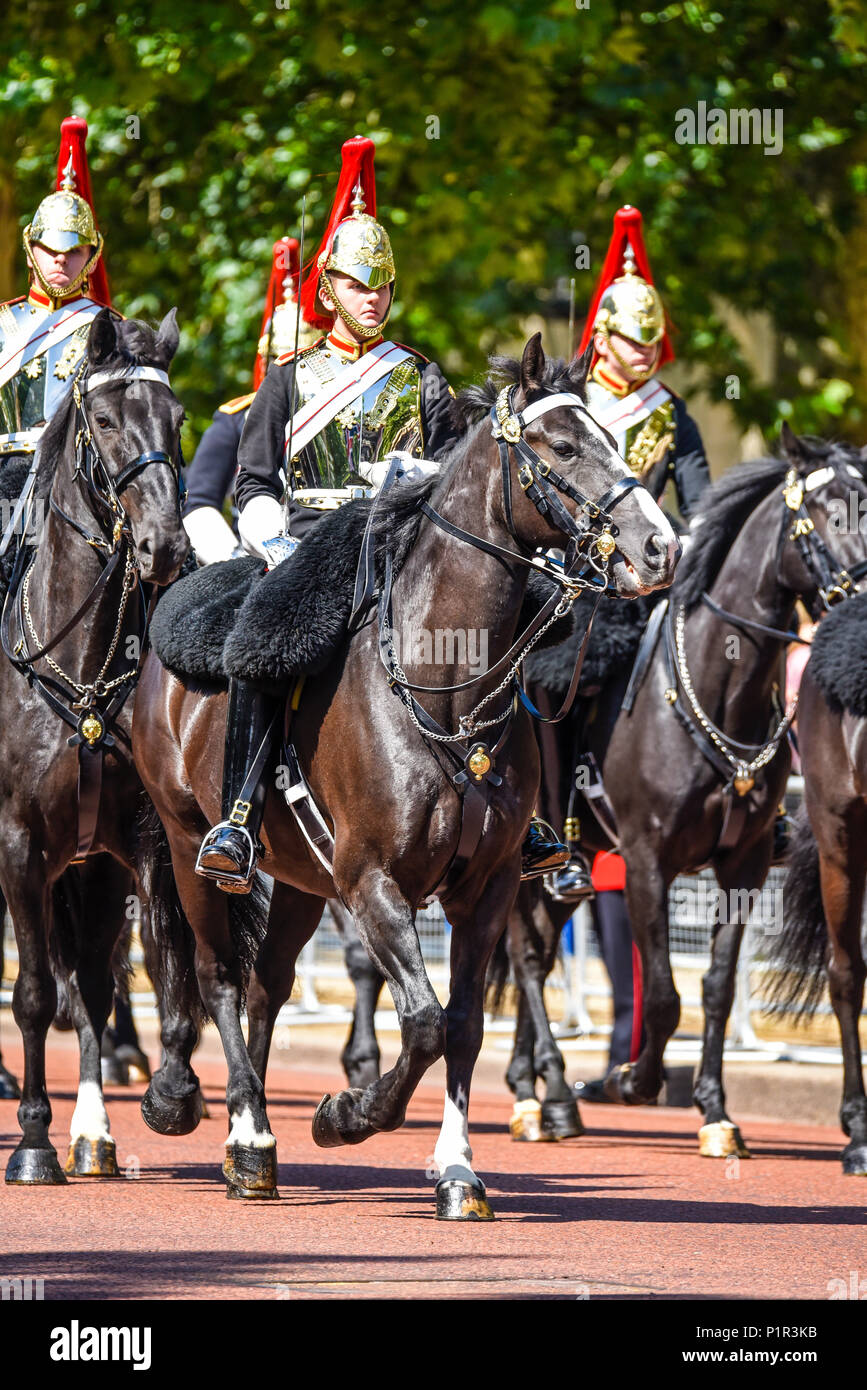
[[654, 432], [357, 398], [43, 335]]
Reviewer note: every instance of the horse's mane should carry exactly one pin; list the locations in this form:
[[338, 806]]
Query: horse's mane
[[136, 347], [397, 515], [727, 504]]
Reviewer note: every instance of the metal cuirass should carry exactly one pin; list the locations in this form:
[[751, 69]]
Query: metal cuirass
[[386, 416], [29, 397]]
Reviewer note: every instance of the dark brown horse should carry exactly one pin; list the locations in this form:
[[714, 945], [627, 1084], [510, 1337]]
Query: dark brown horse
[[827, 862], [72, 627], [767, 533], [387, 790]]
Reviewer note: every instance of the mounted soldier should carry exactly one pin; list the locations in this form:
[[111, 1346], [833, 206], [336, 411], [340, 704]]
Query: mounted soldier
[[43, 335], [651, 425], [210, 477], [357, 398]]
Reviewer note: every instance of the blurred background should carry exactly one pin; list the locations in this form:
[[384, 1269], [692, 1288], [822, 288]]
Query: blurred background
[[507, 135]]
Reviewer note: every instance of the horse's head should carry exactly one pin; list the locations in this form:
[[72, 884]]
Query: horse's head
[[824, 497], [134, 421], [568, 441]]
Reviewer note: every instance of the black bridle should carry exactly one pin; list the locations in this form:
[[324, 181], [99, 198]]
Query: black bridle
[[92, 715], [834, 582]]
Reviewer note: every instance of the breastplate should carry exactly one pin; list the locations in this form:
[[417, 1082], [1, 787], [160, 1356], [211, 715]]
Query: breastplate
[[30, 397], [641, 444], [386, 416]]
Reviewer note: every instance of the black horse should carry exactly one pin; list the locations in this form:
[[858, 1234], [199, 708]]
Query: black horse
[[458, 552], [694, 771], [72, 630], [827, 862]]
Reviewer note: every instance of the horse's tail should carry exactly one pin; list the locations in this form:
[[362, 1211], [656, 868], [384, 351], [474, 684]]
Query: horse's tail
[[499, 967], [170, 943], [798, 954]]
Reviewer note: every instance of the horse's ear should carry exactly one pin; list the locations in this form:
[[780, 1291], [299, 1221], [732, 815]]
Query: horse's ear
[[533, 365], [103, 338], [579, 368], [168, 337], [793, 447]]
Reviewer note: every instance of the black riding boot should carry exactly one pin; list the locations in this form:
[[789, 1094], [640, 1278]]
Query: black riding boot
[[541, 851], [229, 851], [572, 883]]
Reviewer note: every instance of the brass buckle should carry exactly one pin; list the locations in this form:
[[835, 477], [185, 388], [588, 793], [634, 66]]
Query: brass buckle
[[543, 468], [525, 476], [239, 813]]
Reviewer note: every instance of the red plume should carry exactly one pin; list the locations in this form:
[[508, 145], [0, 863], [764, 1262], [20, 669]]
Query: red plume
[[357, 156], [627, 233], [284, 275], [73, 137]]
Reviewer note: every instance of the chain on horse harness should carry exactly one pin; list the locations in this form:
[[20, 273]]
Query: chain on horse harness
[[738, 763], [91, 707], [591, 542]]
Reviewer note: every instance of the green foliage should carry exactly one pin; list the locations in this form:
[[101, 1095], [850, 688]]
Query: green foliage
[[550, 115]]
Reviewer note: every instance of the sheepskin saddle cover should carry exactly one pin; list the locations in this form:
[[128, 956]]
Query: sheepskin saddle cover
[[838, 658], [231, 619]]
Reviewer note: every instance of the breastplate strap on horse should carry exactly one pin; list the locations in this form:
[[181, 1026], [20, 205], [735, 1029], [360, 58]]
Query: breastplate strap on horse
[[93, 715]]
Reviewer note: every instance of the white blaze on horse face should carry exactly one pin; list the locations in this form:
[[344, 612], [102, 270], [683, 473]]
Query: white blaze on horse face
[[89, 1118], [453, 1154], [244, 1132]]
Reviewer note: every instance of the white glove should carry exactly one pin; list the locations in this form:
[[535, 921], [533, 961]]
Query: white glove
[[260, 521], [410, 468], [211, 536]]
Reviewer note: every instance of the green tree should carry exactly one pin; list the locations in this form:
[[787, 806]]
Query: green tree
[[507, 134]]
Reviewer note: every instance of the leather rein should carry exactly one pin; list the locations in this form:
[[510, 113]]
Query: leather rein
[[89, 708]]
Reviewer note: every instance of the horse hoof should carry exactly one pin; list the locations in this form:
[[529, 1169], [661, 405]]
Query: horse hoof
[[92, 1158], [855, 1160], [722, 1140], [9, 1088], [462, 1201], [619, 1087], [171, 1114], [561, 1119], [525, 1123], [250, 1173], [35, 1167], [136, 1062], [338, 1121]]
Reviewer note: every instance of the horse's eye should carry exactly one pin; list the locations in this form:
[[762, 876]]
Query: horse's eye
[[103, 422], [563, 448]]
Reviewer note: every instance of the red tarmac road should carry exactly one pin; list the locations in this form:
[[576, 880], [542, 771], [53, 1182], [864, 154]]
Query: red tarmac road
[[628, 1211]]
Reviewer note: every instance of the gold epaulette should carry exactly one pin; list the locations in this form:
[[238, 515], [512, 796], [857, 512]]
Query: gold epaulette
[[238, 404]]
